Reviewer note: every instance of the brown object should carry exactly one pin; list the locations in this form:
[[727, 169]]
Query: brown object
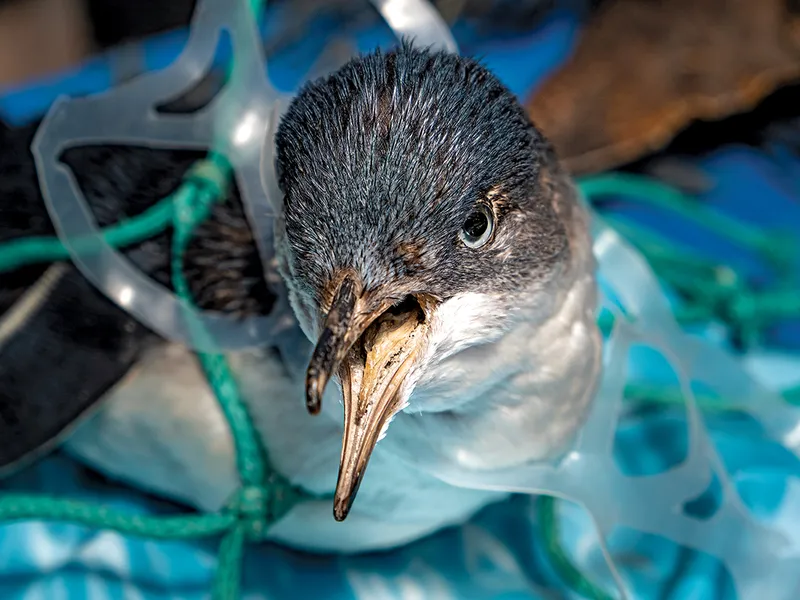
[[41, 37], [645, 69]]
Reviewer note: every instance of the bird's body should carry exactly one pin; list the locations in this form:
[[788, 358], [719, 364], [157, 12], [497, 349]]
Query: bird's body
[[186, 452], [439, 259]]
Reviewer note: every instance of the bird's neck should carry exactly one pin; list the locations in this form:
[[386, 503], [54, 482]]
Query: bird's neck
[[524, 396]]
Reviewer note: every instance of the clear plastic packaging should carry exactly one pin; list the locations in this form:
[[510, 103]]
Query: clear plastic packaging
[[762, 560], [760, 557], [236, 123]]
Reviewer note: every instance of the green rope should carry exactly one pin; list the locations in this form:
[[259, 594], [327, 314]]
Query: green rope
[[16, 507], [191, 209], [264, 496], [776, 247], [792, 395], [709, 291], [569, 574], [192, 206], [26, 251], [229, 568]]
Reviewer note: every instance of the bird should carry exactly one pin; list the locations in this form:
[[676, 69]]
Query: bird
[[439, 267]]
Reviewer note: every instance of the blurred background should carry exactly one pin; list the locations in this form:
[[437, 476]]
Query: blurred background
[[41, 37]]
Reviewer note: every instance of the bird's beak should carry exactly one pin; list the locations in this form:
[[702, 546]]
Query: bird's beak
[[372, 343]]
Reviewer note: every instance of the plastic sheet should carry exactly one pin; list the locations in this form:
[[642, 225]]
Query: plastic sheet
[[761, 559], [235, 123]]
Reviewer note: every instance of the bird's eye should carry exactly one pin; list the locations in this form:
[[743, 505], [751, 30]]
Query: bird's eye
[[478, 228]]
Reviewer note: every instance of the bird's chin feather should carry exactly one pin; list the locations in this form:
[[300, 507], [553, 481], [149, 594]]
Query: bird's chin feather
[[465, 320]]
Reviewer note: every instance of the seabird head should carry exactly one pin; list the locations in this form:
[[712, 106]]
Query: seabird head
[[420, 218]]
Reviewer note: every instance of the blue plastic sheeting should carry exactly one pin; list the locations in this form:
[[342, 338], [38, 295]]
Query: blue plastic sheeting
[[499, 553]]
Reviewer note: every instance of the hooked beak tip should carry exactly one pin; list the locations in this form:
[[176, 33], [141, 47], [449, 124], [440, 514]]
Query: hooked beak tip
[[341, 508], [314, 385], [346, 490]]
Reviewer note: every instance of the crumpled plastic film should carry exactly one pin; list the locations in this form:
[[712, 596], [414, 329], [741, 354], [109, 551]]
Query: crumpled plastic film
[[234, 124], [761, 559]]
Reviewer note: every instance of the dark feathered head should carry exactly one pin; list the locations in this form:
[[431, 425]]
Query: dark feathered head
[[420, 217]]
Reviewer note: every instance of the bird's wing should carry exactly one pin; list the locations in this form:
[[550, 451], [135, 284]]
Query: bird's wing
[[63, 344], [161, 429]]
